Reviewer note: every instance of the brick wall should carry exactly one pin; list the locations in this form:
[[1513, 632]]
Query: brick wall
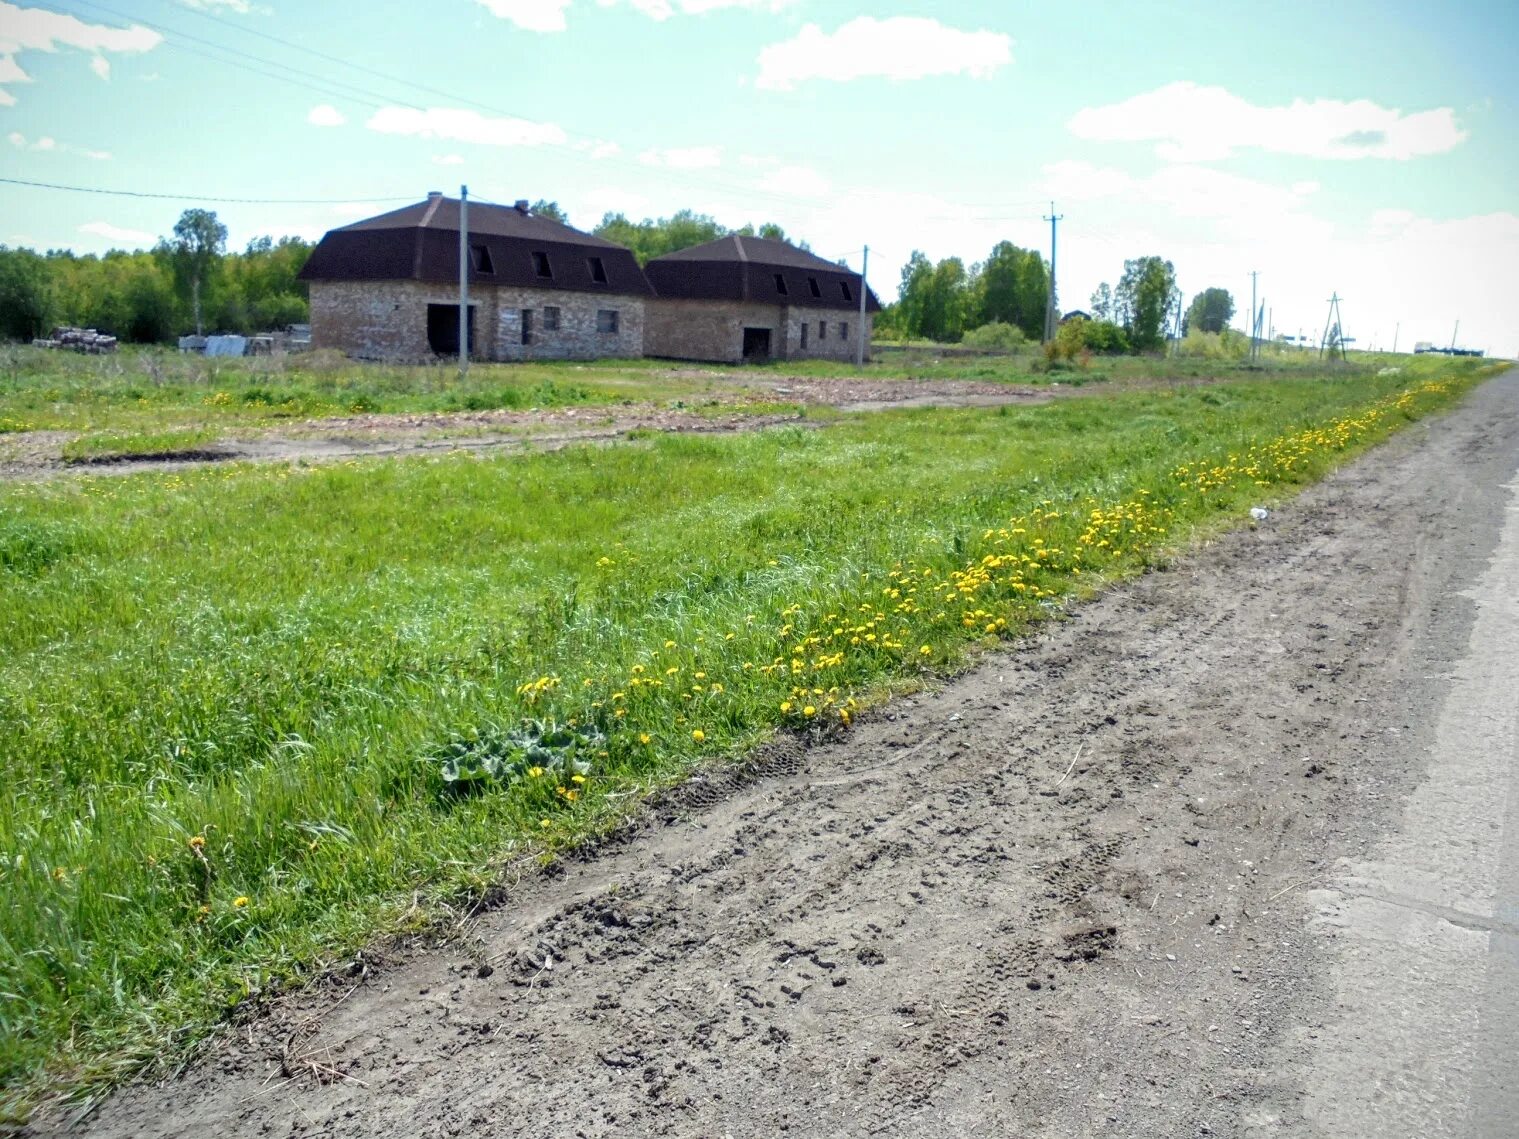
[[387, 320], [684, 329]]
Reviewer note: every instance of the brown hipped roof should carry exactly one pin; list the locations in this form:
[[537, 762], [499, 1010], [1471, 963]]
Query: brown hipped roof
[[420, 242], [742, 268]]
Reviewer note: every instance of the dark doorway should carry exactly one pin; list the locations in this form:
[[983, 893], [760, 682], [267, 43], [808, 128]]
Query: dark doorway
[[756, 345], [443, 329]]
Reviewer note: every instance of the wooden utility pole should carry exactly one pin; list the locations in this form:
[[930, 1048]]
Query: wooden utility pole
[[463, 281], [1051, 318], [859, 352], [1255, 324]]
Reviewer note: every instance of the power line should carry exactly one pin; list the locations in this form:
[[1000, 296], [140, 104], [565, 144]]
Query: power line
[[207, 197]]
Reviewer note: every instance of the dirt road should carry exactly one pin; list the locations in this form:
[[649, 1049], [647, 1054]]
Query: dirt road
[[1233, 851]]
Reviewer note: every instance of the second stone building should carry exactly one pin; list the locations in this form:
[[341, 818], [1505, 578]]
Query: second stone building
[[750, 299]]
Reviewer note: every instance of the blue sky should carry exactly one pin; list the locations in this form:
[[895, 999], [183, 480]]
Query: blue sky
[[1365, 148]]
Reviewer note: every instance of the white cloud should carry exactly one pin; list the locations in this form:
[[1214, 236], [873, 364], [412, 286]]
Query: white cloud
[[1189, 123], [465, 126], [900, 47], [664, 9], [325, 115], [241, 7], [448, 160], [799, 180], [596, 148], [40, 29], [135, 237], [684, 158], [531, 15], [47, 143]]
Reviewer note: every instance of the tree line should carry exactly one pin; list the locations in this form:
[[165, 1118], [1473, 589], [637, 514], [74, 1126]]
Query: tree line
[[185, 281]]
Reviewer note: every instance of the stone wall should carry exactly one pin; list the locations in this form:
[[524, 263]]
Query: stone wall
[[387, 320], [684, 329]]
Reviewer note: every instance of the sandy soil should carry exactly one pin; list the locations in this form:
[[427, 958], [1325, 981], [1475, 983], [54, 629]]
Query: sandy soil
[[1064, 896]]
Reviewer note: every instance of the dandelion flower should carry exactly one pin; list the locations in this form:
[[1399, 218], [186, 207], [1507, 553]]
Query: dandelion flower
[[925, 650], [240, 901], [644, 737], [198, 841], [535, 772], [785, 705], [544, 823], [577, 778], [809, 711], [698, 735]]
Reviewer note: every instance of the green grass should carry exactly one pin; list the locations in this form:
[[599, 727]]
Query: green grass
[[279, 661], [115, 446]]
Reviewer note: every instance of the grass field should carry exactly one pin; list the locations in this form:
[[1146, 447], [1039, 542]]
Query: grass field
[[149, 389], [254, 715]]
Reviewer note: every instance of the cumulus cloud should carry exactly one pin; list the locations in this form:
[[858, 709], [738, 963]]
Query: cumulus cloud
[[684, 158], [664, 9], [899, 47], [1191, 123], [48, 143], [40, 29], [325, 115], [465, 126], [448, 160], [116, 233], [531, 15], [596, 148]]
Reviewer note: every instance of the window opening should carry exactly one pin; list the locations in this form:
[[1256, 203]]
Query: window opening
[[541, 265], [844, 288], [598, 270], [822, 330], [812, 283], [843, 330], [527, 326], [550, 318], [780, 284], [805, 326], [606, 320], [481, 256]]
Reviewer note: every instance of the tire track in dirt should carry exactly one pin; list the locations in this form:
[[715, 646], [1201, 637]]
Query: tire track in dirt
[[1058, 897]]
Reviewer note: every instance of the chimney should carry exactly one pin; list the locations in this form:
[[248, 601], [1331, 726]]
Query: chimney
[[522, 205], [434, 195]]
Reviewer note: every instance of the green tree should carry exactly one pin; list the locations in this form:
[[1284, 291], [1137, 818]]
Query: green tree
[[1013, 288], [551, 210], [1210, 311], [1102, 302], [24, 294], [1141, 300], [199, 240]]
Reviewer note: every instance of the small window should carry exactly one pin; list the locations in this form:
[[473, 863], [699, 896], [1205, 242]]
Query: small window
[[598, 270], [822, 330], [527, 326], [844, 288], [843, 330], [812, 283], [780, 284], [606, 321], [805, 326], [541, 265], [481, 257], [550, 318]]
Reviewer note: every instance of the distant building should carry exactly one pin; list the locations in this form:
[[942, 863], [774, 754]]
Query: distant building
[[751, 299], [1075, 314], [387, 288]]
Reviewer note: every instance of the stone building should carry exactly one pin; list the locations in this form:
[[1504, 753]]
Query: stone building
[[749, 299], [387, 288]]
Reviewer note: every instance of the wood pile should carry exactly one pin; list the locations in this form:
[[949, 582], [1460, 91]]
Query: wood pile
[[85, 340]]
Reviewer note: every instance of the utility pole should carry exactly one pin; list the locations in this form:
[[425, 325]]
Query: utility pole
[[1254, 320], [463, 281], [1050, 317], [1453, 336], [859, 352], [1337, 337], [1395, 330]]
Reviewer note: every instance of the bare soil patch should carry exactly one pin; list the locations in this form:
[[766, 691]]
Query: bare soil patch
[[1062, 896]]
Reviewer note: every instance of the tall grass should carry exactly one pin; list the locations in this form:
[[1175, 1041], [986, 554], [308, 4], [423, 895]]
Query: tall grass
[[228, 695]]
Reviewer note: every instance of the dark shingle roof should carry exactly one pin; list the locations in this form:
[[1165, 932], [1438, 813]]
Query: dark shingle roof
[[755, 269], [420, 242]]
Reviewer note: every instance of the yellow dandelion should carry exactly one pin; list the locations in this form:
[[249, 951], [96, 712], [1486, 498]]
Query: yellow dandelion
[[535, 772], [698, 735], [240, 901], [577, 778], [198, 841], [544, 823], [809, 711], [644, 737], [785, 705], [925, 650]]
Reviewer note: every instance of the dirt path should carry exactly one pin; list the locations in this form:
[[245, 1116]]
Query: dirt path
[[1069, 895]]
